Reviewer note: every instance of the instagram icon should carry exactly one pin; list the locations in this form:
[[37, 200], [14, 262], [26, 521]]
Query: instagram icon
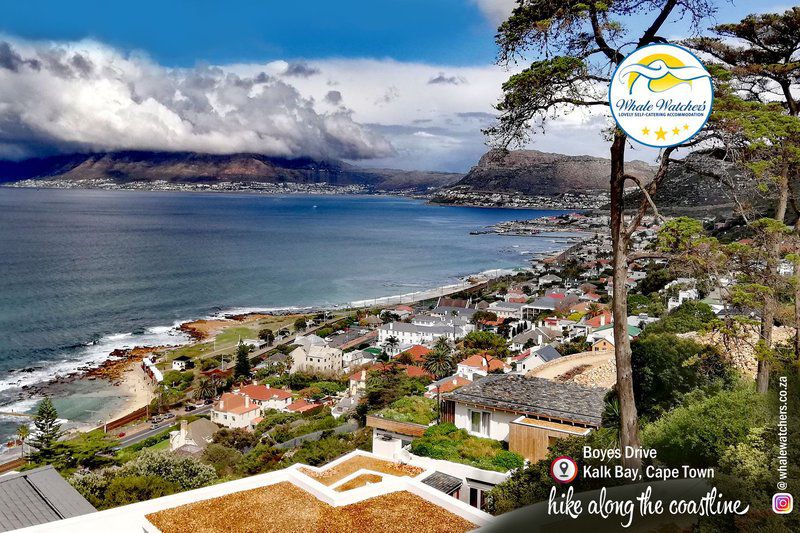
[[782, 503]]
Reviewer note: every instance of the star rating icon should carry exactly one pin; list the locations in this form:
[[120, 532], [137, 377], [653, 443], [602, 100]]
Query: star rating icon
[[676, 131], [661, 134], [645, 131]]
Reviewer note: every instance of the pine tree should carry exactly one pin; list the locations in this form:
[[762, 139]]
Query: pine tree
[[242, 369], [48, 430]]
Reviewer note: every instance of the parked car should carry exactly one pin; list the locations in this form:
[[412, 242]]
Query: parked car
[[189, 408]]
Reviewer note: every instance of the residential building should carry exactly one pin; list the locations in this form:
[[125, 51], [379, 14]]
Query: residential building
[[424, 329], [181, 363], [607, 333], [267, 397], [505, 310], [479, 365], [38, 496], [444, 385], [528, 413], [192, 438], [549, 279], [530, 359], [317, 358], [235, 411]]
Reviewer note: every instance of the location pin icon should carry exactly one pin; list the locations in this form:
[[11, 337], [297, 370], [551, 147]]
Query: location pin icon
[[563, 466]]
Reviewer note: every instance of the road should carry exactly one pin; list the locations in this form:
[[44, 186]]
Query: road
[[129, 440]]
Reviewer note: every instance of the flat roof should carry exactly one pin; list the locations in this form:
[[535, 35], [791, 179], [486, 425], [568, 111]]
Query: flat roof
[[287, 508], [339, 471]]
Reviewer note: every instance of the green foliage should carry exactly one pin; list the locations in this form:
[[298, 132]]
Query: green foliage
[[273, 418], [48, 431], [699, 432], [652, 305], [300, 324], [415, 409], [666, 367], [87, 450], [181, 380], [485, 341], [125, 490], [237, 438], [691, 315], [655, 280], [387, 386], [223, 458], [149, 475], [445, 441], [304, 425], [267, 335], [242, 368]]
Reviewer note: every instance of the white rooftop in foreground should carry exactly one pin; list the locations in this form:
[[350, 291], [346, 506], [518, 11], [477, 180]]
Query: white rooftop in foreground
[[355, 486]]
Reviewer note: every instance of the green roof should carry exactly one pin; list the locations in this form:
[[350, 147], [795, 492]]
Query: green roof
[[633, 331]]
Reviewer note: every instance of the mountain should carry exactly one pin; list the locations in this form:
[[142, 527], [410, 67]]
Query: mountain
[[191, 167], [535, 173], [703, 181]]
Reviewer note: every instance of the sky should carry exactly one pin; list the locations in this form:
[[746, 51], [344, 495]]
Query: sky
[[399, 83]]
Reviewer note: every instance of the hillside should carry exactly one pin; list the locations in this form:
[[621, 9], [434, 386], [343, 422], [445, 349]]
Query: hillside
[[190, 167], [534, 173]]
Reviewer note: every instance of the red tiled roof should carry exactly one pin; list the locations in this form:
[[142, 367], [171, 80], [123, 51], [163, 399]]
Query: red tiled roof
[[301, 406], [450, 385], [417, 352], [234, 403], [263, 393], [484, 362], [598, 321]]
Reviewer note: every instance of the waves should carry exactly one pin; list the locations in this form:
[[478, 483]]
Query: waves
[[81, 357]]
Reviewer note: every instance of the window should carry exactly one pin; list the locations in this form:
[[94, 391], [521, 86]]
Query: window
[[477, 497], [479, 422]]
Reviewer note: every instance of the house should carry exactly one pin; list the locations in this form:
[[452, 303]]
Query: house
[[235, 411], [357, 383], [417, 353], [603, 344], [479, 365], [424, 329], [549, 279], [267, 397], [641, 320], [444, 385], [38, 496], [303, 406], [607, 332], [192, 438], [181, 363], [505, 310], [537, 337], [527, 412], [317, 358], [530, 359], [515, 296]]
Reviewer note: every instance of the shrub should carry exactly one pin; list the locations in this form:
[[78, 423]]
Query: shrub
[[415, 409], [222, 458], [127, 490], [689, 316], [445, 441], [186, 472], [699, 432]]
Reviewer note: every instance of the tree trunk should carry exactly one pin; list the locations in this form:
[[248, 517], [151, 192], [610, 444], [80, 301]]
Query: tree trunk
[[773, 258], [629, 419]]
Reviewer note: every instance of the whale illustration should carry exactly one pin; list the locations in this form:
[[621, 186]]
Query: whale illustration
[[658, 69]]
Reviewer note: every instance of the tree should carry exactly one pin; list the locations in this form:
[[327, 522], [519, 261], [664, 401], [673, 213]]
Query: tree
[[242, 369], [581, 43], [392, 343], [223, 458], [300, 324], [267, 335], [23, 431], [205, 389], [48, 430], [439, 363], [479, 317], [133, 489], [761, 54]]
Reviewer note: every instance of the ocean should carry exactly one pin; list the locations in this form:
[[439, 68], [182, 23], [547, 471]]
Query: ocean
[[87, 271]]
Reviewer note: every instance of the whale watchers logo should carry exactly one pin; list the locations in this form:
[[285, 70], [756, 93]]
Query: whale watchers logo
[[661, 95]]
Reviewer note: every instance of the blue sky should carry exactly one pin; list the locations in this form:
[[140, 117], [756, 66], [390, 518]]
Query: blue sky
[[183, 32], [388, 83]]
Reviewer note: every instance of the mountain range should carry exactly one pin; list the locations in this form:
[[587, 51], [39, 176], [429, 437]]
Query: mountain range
[[191, 167]]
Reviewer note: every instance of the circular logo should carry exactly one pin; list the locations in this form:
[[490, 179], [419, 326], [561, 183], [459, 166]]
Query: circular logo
[[563, 469], [661, 95]]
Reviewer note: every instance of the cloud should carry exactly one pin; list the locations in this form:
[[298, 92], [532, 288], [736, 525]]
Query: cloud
[[301, 70], [58, 97], [83, 96], [496, 11], [447, 80]]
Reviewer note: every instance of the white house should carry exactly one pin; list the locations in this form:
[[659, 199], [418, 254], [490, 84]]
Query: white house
[[316, 358], [479, 365], [505, 310], [267, 397], [235, 411], [181, 363], [192, 438]]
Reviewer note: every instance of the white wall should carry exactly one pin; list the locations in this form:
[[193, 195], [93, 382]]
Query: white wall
[[499, 421]]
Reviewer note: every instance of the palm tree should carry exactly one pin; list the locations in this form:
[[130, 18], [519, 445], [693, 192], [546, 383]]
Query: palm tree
[[216, 382], [440, 363], [392, 343], [594, 310], [205, 389], [443, 344], [23, 431]]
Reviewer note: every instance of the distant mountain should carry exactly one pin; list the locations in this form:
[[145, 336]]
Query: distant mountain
[[535, 173], [702, 181], [190, 167]]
